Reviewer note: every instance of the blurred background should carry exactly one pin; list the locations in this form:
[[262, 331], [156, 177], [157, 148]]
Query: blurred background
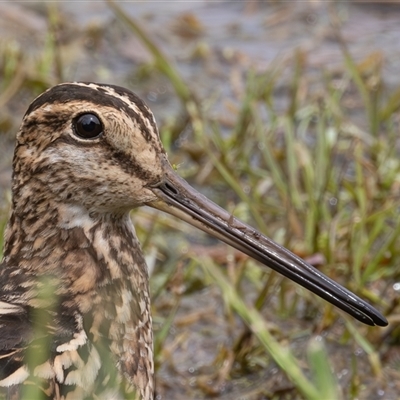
[[284, 113]]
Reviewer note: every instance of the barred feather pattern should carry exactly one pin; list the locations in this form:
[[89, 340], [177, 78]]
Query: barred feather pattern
[[70, 234]]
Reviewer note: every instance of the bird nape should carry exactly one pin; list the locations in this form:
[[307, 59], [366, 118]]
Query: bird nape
[[74, 297]]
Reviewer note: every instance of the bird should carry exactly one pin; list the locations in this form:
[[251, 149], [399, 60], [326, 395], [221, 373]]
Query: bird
[[75, 318]]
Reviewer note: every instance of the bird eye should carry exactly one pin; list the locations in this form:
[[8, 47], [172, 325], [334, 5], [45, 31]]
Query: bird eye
[[88, 126]]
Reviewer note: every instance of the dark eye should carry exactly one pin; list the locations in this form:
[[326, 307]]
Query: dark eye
[[88, 126]]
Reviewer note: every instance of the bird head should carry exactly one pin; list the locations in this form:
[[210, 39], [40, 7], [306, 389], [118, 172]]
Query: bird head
[[91, 145]]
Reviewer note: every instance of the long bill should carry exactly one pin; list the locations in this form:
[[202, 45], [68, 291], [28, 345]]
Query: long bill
[[178, 198]]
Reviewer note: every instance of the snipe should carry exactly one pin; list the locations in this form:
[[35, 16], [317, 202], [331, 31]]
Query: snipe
[[87, 154]]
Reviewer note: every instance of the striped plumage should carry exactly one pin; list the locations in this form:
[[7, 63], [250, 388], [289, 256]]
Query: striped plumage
[[70, 224], [86, 154]]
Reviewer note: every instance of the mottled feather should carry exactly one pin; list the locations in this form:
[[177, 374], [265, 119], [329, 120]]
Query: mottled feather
[[70, 231]]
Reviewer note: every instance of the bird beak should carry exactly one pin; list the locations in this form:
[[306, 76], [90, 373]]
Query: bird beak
[[177, 197]]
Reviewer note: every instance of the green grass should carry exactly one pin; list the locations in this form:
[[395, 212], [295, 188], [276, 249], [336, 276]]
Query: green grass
[[310, 176]]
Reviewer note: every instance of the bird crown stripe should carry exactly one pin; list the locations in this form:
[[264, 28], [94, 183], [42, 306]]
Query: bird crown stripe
[[103, 95]]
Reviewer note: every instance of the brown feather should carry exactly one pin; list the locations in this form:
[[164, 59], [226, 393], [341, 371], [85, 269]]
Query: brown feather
[[70, 231]]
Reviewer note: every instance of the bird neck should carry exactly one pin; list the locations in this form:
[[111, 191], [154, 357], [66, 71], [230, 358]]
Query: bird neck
[[83, 250]]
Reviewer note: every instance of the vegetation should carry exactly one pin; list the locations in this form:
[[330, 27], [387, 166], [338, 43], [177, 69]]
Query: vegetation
[[311, 174]]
